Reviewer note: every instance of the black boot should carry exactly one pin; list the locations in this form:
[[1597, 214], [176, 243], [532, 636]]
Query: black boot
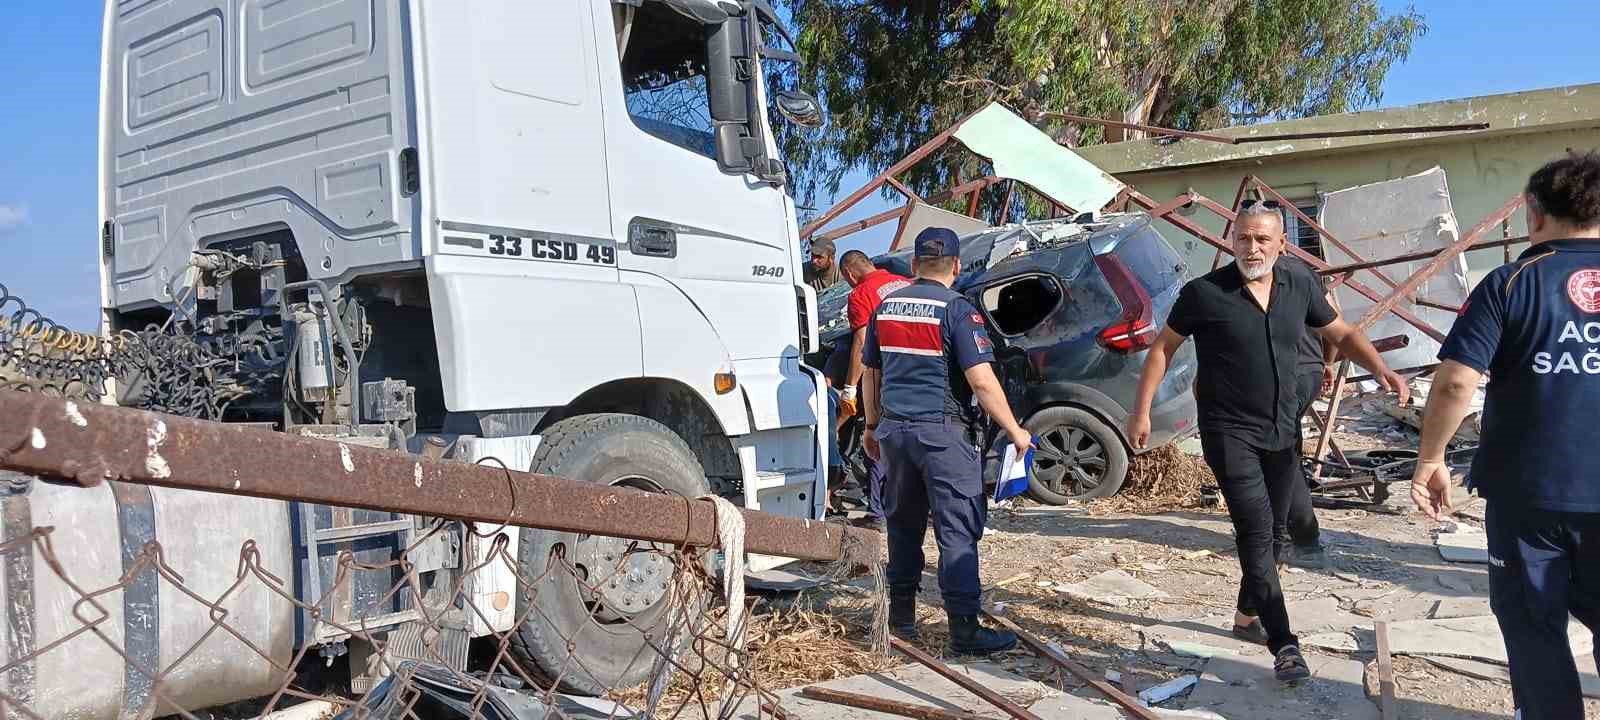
[[967, 637], [903, 616]]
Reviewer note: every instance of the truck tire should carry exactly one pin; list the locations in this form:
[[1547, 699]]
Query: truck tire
[[1079, 457], [604, 627]]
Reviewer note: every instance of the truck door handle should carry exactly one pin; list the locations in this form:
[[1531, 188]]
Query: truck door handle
[[653, 241]]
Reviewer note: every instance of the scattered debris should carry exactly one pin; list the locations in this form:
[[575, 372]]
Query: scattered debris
[[1114, 588], [1168, 690]]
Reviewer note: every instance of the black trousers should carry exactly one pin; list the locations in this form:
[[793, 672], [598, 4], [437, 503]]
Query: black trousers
[[1257, 485], [1300, 525]]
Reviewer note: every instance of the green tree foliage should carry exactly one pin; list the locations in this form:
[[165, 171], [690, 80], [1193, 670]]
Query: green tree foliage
[[892, 73]]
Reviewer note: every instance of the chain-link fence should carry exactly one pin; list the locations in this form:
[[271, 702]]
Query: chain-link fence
[[141, 597], [190, 628]]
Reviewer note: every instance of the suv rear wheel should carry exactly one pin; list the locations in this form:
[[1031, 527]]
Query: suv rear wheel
[[1079, 456]]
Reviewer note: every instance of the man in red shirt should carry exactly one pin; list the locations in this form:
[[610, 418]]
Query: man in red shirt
[[870, 286]]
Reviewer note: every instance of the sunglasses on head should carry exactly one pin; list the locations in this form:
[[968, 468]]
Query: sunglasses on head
[[1252, 202]]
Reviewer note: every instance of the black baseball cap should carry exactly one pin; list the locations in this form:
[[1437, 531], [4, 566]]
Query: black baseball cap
[[937, 242]]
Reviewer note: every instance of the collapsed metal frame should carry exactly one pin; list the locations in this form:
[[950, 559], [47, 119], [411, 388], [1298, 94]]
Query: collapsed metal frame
[[1386, 301]]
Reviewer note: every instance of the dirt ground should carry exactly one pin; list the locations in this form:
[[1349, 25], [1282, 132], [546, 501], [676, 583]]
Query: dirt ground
[[1383, 566]]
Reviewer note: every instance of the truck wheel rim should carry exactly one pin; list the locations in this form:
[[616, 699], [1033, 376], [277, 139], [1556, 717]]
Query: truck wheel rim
[[619, 578]]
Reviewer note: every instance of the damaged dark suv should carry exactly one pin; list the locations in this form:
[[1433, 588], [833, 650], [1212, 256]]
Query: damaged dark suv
[[1071, 306]]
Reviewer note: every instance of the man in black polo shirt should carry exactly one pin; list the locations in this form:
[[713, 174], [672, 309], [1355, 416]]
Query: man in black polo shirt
[[1534, 327], [1246, 319]]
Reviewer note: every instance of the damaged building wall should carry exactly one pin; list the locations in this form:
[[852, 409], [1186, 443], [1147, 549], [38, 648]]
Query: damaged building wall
[[1484, 168]]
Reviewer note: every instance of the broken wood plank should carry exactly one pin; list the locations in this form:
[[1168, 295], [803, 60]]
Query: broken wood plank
[[968, 684], [1385, 673], [1127, 702], [883, 705]]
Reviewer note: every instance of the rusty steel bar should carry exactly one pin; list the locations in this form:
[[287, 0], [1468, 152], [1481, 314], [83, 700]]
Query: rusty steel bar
[[883, 705], [1424, 255], [1083, 674], [1346, 249], [1161, 131], [860, 225], [1436, 305], [89, 443], [1315, 262], [1362, 133], [1407, 288], [908, 192], [914, 157], [966, 683], [1326, 436], [1393, 342], [1386, 700]]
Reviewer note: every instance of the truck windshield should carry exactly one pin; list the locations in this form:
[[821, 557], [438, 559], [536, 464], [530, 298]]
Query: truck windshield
[[663, 58]]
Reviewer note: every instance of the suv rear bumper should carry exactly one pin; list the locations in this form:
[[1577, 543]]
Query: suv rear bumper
[[1172, 421]]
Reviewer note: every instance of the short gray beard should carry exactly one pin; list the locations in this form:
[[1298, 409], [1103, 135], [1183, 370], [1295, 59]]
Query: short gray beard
[[1254, 274]]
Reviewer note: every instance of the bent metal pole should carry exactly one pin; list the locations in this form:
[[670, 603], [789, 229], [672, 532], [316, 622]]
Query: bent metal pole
[[86, 443]]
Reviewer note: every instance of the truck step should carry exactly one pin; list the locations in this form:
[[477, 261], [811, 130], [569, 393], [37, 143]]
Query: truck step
[[354, 532], [768, 479]]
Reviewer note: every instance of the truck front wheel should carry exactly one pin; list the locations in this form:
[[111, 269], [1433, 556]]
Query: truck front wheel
[[590, 601]]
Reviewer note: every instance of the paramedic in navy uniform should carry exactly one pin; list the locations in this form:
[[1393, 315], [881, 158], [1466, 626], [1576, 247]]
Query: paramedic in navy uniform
[[1534, 327], [927, 354]]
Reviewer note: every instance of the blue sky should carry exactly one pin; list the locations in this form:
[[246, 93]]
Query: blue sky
[[49, 80]]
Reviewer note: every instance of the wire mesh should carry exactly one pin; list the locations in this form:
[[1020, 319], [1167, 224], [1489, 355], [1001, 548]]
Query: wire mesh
[[678, 656]]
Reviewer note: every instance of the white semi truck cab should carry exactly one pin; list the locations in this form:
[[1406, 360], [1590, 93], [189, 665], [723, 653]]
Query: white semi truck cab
[[549, 233]]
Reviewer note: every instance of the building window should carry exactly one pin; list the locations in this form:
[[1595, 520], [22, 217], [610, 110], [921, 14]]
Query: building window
[[1302, 233]]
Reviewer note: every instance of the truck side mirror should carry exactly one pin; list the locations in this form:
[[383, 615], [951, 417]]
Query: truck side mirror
[[729, 69], [800, 108]]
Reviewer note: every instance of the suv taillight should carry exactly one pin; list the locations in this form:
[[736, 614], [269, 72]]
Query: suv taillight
[[1134, 331]]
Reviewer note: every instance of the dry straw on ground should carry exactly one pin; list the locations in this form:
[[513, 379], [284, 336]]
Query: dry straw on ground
[[1163, 479]]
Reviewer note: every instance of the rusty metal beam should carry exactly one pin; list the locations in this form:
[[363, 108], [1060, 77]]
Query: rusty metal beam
[[1152, 129], [966, 683], [1436, 305], [1386, 699], [88, 443], [1507, 242], [883, 705], [1362, 133], [1315, 262], [1083, 674], [914, 157], [908, 192], [860, 225], [1410, 285]]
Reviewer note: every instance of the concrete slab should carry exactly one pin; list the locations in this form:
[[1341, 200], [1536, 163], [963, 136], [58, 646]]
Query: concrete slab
[[1475, 638], [1113, 588], [917, 684], [1466, 545], [1499, 673], [1459, 607], [1243, 688]]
